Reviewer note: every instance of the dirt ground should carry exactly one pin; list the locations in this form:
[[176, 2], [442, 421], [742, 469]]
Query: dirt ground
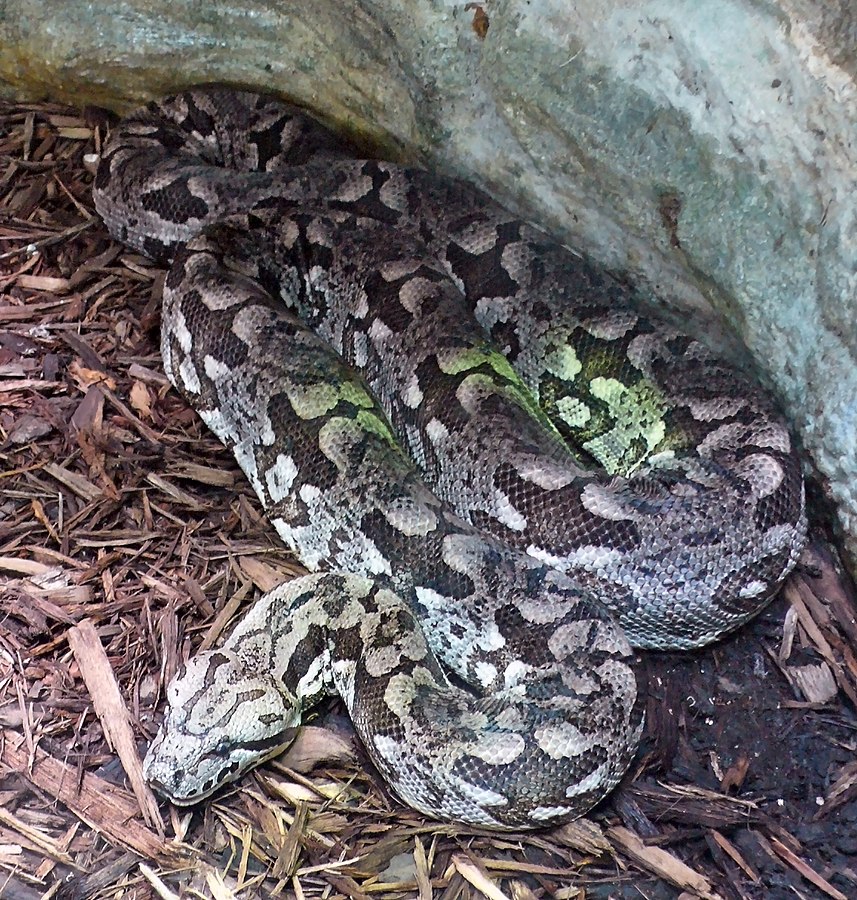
[[128, 537]]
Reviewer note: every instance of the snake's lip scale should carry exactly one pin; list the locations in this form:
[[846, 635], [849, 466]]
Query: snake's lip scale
[[403, 371]]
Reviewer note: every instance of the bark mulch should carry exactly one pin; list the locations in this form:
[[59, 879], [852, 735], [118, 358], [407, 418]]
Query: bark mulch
[[128, 539]]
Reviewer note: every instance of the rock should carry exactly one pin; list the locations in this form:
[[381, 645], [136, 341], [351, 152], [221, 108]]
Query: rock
[[707, 149]]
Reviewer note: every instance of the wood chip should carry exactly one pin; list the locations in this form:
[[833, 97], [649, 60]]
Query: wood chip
[[663, 864], [112, 712], [81, 486], [810, 874], [96, 802], [471, 871]]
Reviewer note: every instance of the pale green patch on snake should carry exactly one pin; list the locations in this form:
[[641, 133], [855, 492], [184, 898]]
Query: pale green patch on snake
[[564, 363], [373, 423], [457, 360], [310, 401], [321, 398], [573, 411], [638, 426]]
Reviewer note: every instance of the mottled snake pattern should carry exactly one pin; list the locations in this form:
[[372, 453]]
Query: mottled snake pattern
[[500, 474]]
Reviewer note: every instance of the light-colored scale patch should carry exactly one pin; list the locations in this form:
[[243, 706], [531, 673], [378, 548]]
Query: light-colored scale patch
[[177, 326], [486, 673], [201, 188], [288, 232], [665, 459], [343, 672], [730, 436], [515, 676], [489, 311], [242, 419], [382, 660], [318, 278], [548, 607], [402, 689], [547, 473], [718, 408], [603, 502], [393, 194], [320, 232], [352, 609], [448, 625], [584, 683], [593, 782], [753, 589], [360, 304], [511, 719], [188, 376], [353, 189], [549, 813], [380, 334], [561, 740], [773, 436], [573, 411], [353, 392], [311, 401], [464, 552], [515, 260], [564, 363], [338, 435], [316, 400], [382, 650], [481, 798], [506, 513], [412, 439], [589, 557], [360, 554], [785, 536], [478, 386], [361, 349], [280, 477], [244, 453], [612, 326], [395, 270], [411, 518], [762, 472], [437, 432], [411, 394], [316, 680], [370, 422], [618, 675], [637, 413], [497, 748], [414, 293], [477, 237], [455, 360], [313, 543], [474, 720]]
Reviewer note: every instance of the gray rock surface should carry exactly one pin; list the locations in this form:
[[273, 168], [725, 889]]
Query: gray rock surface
[[708, 149]]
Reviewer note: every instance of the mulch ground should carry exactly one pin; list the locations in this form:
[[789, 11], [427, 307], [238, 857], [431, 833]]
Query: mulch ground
[[128, 539]]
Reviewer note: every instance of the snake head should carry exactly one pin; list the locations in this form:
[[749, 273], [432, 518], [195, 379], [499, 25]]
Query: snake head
[[222, 718]]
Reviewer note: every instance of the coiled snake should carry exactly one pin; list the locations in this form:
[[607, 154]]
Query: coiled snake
[[498, 471]]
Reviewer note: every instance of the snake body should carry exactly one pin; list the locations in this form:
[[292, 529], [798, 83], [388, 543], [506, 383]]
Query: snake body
[[500, 474]]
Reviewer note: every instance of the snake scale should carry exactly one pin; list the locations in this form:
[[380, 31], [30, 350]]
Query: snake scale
[[500, 474]]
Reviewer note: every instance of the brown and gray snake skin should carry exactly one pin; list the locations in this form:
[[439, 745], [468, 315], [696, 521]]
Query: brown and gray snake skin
[[500, 474]]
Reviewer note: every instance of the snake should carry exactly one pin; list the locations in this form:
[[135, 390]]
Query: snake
[[503, 472]]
